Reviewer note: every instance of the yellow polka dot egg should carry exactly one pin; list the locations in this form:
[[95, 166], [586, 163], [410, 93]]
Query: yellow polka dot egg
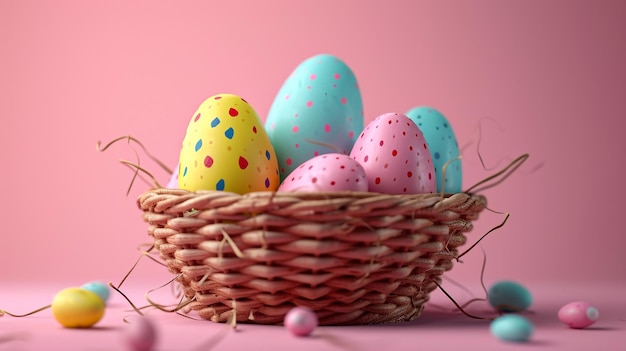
[[227, 148]]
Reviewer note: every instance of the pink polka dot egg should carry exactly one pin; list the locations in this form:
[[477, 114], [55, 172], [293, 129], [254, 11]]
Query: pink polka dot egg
[[329, 172], [395, 156], [578, 314]]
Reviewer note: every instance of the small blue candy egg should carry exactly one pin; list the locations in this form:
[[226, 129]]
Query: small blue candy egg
[[101, 289], [512, 327], [508, 296], [443, 146]]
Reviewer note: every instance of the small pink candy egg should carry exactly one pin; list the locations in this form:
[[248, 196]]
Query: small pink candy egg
[[578, 315], [140, 334], [301, 321]]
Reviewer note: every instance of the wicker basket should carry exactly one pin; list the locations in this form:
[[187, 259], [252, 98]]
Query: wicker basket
[[353, 258]]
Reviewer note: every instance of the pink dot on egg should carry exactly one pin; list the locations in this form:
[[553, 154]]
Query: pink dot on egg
[[344, 100], [288, 161], [312, 76], [297, 145], [337, 76], [309, 103], [350, 134], [327, 128], [287, 97], [295, 129], [197, 118]]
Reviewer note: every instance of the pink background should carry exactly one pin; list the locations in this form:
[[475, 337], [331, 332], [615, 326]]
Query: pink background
[[546, 78]]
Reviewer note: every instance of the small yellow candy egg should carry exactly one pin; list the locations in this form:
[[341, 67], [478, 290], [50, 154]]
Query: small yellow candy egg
[[77, 308]]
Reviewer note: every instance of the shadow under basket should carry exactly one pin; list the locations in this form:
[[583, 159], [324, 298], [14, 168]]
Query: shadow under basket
[[353, 258]]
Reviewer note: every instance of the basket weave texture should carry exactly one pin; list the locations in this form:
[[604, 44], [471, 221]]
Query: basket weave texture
[[353, 258]]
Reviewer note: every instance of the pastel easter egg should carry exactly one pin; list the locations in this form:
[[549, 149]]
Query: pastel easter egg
[[173, 182], [512, 327], [226, 148], [100, 288], [328, 172], [443, 146], [395, 156], [77, 308], [509, 296], [301, 321], [578, 314], [318, 110], [140, 334]]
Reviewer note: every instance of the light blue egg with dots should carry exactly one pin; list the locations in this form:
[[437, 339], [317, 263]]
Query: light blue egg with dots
[[512, 328], [443, 147], [318, 110], [99, 288], [509, 296]]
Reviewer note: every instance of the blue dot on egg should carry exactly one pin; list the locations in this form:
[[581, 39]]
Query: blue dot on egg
[[267, 154], [437, 155], [185, 171], [229, 133], [220, 184], [198, 145], [215, 122], [267, 182]]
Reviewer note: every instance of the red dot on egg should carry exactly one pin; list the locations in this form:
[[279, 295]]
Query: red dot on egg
[[243, 163], [381, 143], [218, 97], [254, 129], [430, 176], [409, 174], [232, 112], [332, 183], [208, 161], [377, 180], [288, 161], [197, 118], [314, 180], [394, 152]]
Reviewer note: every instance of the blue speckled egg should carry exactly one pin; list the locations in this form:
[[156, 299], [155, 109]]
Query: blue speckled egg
[[319, 104], [512, 327], [508, 296], [443, 146]]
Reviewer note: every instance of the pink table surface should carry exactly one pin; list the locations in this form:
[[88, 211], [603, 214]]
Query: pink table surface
[[439, 327]]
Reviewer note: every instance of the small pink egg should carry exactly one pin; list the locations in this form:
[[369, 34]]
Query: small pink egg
[[140, 334], [578, 315], [301, 321]]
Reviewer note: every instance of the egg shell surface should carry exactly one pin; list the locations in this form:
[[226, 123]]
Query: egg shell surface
[[443, 146], [395, 156], [173, 182], [319, 103], [77, 308], [328, 172], [140, 334], [227, 148], [509, 296], [301, 321], [100, 288], [578, 314], [512, 327]]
